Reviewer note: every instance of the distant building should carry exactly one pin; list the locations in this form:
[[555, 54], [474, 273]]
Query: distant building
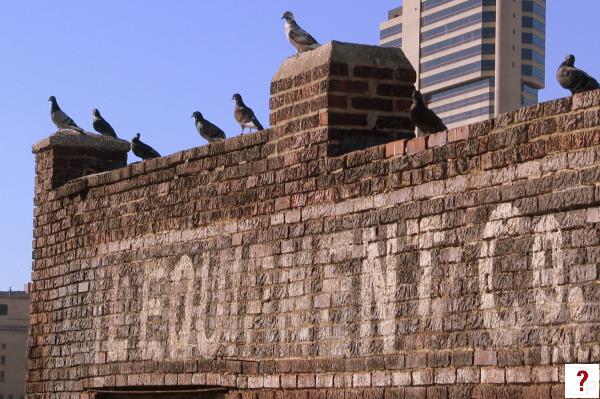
[[14, 325], [474, 58]]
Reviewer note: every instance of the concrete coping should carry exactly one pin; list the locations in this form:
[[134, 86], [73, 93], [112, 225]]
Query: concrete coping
[[339, 52], [68, 138]]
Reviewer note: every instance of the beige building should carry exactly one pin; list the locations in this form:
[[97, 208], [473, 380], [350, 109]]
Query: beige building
[[14, 325], [474, 58]]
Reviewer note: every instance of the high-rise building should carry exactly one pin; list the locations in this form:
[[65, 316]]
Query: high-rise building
[[474, 58], [14, 326]]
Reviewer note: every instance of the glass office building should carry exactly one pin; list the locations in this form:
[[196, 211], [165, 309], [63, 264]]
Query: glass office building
[[474, 58]]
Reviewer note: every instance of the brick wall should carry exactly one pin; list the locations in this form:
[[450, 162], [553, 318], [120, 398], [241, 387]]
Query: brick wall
[[464, 264]]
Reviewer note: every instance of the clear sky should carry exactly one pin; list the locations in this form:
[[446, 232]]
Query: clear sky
[[147, 65]]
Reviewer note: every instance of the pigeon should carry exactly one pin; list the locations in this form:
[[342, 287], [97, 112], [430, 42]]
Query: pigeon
[[574, 79], [244, 115], [424, 118], [101, 125], [60, 119], [299, 38], [208, 130], [143, 150]]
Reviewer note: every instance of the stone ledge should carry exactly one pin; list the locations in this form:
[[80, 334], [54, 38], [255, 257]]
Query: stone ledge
[[339, 52], [66, 138]]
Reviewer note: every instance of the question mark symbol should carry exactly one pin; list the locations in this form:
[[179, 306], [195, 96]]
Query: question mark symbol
[[584, 375]]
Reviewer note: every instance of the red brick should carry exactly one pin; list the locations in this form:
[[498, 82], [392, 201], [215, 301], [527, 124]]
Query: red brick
[[371, 72], [492, 375], [415, 145], [376, 104], [395, 90], [458, 134], [342, 119], [437, 139], [395, 148], [518, 375], [348, 86], [485, 358]]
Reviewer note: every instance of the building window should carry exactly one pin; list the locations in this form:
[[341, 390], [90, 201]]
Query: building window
[[485, 65], [486, 33], [486, 16], [532, 6], [2, 346], [529, 54], [427, 4], [455, 10], [530, 38], [529, 22], [3, 309], [458, 56], [391, 31], [459, 90], [485, 97], [393, 43], [468, 115], [1, 375], [528, 70], [2, 359]]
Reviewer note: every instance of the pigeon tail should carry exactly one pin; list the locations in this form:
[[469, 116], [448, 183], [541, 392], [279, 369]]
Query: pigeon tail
[[257, 124]]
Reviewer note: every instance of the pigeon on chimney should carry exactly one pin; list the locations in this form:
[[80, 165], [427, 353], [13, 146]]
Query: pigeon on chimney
[[424, 118], [573, 79], [101, 125], [143, 150], [60, 119], [299, 38], [244, 115], [208, 130]]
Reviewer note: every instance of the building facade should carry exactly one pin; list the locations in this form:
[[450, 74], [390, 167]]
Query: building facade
[[14, 326], [474, 58]]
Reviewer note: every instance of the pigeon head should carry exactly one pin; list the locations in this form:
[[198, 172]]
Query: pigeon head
[[52, 99], [136, 138], [96, 113], [569, 60], [197, 115], [417, 96], [288, 16], [236, 97]]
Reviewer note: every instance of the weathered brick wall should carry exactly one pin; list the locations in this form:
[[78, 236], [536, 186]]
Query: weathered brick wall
[[463, 265]]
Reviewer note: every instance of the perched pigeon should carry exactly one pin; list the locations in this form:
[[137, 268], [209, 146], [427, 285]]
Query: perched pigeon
[[101, 125], [143, 150], [574, 79], [424, 118], [60, 119], [299, 38], [208, 130], [244, 115]]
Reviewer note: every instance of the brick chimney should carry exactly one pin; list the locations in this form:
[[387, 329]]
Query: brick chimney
[[68, 155], [360, 93]]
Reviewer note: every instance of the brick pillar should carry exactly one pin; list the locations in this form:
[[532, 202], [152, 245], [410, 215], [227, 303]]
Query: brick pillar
[[66, 156], [360, 93]]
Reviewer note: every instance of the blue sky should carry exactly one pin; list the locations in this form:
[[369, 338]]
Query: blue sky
[[147, 65]]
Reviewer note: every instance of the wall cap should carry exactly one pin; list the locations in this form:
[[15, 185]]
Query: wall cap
[[334, 51], [73, 139]]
